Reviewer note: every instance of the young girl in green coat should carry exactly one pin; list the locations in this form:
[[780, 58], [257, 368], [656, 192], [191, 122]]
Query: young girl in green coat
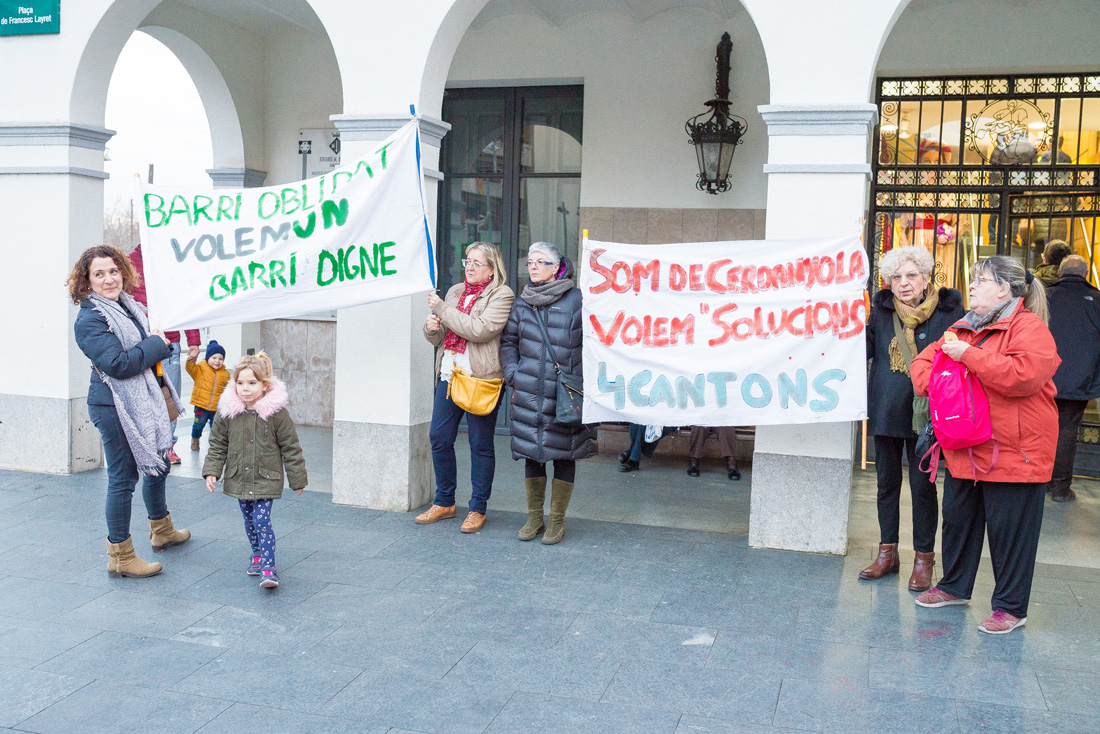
[[253, 439]]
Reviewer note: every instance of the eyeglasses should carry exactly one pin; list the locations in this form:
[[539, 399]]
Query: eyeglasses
[[474, 264], [539, 263], [979, 280], [911, 277]]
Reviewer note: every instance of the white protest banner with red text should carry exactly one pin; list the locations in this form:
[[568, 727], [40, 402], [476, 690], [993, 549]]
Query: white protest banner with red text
[[356, 235], [725, 333]]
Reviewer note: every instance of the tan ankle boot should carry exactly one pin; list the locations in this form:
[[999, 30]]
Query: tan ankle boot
[[536, 499], [560, 494], [923, 565], [887, 562], [123, 561], [163, 535]]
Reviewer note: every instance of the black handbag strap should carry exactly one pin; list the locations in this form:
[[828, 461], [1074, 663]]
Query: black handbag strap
[[546, 338]]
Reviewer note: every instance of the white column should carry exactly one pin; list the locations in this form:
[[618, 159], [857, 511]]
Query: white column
[[381, 457], [817, 186], [51, 189]]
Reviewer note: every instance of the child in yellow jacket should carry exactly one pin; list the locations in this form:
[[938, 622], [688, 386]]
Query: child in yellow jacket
[[210, 378]]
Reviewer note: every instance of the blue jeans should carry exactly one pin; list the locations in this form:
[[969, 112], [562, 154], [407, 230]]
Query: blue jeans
[[122, 476], [638, 445], [202, 417], [483, 463], [172, 372]]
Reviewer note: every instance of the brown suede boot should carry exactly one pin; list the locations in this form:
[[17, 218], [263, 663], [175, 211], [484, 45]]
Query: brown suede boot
[[887, 562], [536, 499], [195, 444], [560, 494], [123, 561], [923, 565], [162, 534]]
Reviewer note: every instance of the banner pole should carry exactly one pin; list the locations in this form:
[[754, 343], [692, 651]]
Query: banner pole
[[863, 458]]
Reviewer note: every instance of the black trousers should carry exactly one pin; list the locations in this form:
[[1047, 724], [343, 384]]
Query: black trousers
[[1070, 413], [1012, 514], [888, 450]]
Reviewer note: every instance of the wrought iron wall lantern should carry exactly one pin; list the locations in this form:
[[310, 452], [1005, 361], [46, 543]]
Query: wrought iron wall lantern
[[716, 133]]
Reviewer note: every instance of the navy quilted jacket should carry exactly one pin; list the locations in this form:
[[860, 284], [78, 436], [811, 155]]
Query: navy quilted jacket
[[530, 372]]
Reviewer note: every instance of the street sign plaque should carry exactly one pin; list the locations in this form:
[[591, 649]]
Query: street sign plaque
[[29, 17]]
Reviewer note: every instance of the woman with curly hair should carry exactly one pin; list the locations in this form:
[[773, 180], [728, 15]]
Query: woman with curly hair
[[906, 317], [125, 401]]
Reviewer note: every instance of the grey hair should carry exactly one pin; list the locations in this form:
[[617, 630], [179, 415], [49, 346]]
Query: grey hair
[[889, 263], [1006, 270], [1074, 265], [546, 248]]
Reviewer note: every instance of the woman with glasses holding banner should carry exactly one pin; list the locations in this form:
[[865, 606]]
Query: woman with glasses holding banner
[[465, 328], [998, 486], [541, 349], [905, 318]]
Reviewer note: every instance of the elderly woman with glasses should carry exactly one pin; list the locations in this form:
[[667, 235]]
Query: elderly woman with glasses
[[465, 328], [548, 309], [998, 487], [906, 317]]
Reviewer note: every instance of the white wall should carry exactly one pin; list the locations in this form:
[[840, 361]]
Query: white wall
[[977, 36], [303, 89], [642, 81]]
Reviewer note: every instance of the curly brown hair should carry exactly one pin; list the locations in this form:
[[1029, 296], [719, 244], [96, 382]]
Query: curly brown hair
[[79, 281]]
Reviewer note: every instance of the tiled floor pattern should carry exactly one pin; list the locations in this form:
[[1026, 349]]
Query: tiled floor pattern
[[384, 626]]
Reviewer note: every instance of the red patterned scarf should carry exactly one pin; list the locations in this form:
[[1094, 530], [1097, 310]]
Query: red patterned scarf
[[465, 302]]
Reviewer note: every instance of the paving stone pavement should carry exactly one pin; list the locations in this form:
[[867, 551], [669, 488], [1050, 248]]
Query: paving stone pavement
[[380, 625]]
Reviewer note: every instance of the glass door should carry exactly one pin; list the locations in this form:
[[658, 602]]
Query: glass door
[[511, 176]]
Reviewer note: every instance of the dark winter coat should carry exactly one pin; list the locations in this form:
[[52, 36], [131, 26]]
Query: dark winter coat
[[530, 372], [889, 393], [253, 446], [101, 346], [1075, 324]]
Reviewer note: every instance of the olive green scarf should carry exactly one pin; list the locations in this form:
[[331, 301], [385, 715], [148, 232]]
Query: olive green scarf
[[911, 318]]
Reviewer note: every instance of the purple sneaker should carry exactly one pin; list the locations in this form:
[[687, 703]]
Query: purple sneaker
[[254, 567], [270, 580]]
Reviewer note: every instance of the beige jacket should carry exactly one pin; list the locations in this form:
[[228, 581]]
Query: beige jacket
[[480, 328]]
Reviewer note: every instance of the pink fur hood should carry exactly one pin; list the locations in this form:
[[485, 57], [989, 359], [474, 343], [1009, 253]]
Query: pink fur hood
[[275, 399]]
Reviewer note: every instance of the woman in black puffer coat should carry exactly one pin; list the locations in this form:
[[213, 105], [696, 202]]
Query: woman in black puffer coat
[[923, 313], [529, 370]]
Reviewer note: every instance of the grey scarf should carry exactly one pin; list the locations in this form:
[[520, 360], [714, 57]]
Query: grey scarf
[[543, 294], [980, 322], [138, 400]]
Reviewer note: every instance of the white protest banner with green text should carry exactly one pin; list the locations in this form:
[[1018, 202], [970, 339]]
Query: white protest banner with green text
[[354, 236], [725, 333]]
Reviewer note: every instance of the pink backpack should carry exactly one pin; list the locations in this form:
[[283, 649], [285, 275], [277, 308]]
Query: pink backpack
[[960, 412]]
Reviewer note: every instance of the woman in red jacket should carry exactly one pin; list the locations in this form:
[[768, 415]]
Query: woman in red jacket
[[1015, 365]]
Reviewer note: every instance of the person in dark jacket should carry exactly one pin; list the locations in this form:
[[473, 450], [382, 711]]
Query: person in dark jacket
[[1075, 324], [904, 319], [552, 298], [1053, 254], [125, 401]]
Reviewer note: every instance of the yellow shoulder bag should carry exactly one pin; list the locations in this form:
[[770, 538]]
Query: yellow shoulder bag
[[472, 394]]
